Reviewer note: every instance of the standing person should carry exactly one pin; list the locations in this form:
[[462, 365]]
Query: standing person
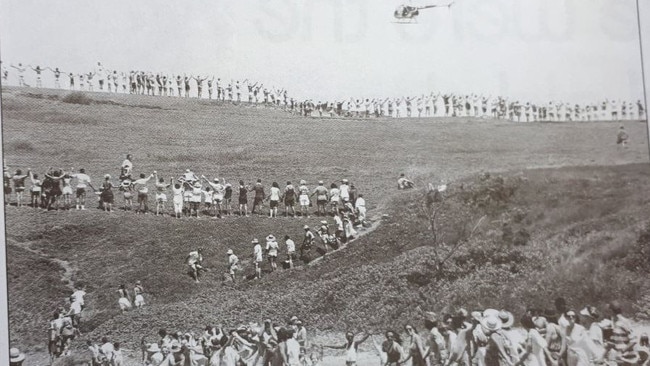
[[143, 192], [257, 258], [106, 195], [233, 264], [6, 180], [21, 74], [227, 198], [351, 347], [289, 199], [195, 261], [291, 250], [272, 248], [127, 166], [195, 199], [274, 199], [124, 301], [335, 197], [138, 292], [127, 192], [307, 243], [301, 334], [19, 185], [293, 349], [623, 338], [360, 206], [36, 189], [161, 197], [83, 180], [71, 78], [417, 352], [575, 333], [243, 199], [321, 198], [535, 345], [177, 192], [497, 351], [303, 198], [259, 197]]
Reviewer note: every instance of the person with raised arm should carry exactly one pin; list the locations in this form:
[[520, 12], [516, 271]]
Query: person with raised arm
[[351, 347]]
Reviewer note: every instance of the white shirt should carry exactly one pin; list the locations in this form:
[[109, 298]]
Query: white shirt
[[79, 296], [257, 253], [291, 246], [345, 191], [82, 179], [360, 202], [293, 352], [75, 307], [275, 194], [272, 248]]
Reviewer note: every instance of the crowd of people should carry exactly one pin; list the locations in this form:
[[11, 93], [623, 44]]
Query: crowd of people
[[192, 195], [560, 337], [434, 104]]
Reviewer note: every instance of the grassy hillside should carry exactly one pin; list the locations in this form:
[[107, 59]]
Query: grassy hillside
[[583, 227]]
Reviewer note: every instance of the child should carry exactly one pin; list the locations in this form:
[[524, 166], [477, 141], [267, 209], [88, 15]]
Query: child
[[138, 291], [36, 188], [178, 193], [161, 197], [304, 199], [127, 192], [19, 186], [208, 196], [243, 199], [274, 199]]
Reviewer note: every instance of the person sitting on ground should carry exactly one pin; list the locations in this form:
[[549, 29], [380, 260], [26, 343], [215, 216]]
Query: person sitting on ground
[[404, 183]]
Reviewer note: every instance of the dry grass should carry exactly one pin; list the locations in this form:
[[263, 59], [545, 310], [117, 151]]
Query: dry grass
[[376, 281]]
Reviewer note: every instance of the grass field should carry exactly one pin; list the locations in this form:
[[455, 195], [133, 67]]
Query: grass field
[[581, 220]]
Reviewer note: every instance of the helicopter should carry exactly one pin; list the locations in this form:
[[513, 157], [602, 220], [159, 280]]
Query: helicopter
[[406, 14]]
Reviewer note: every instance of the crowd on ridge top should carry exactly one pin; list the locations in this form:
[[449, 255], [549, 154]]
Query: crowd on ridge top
[[433, 104], [560, 337]]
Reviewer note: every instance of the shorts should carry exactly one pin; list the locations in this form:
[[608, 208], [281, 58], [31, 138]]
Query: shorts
[[304, 200], [67, 190], [289, 201], [20, 189], [128, 195], [321, 202], [36, 194], [142, 197], [81, 192], [178, 206], [107, 197], [243, 200], [258, 200], [161, 197], [218, 198], [274, 204]]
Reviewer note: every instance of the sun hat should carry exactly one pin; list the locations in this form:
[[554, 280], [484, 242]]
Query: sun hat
[[490, 312], [320, 182], [506, 318], [15, 355], [324, 222], [153, 348], [187, 170], [344, 180], [306, 227], [229, 252], [293, 319], [590, 311], [270, 238], [630, 358], [431, 316], [476, 315], [491, 324], [107, 176], [216, 179], [255, 241], [138, 282], [302, 181]]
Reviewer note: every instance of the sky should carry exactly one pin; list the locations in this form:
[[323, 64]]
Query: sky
[[536, 50]]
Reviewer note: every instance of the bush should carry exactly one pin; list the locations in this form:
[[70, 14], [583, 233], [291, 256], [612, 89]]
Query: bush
[[77, 98]]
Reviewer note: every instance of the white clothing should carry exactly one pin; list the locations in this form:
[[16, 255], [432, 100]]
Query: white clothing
[[257, 253], [291, 246], [272, 248], [79, 296], [82, 179], [293, 352], [275, 194]]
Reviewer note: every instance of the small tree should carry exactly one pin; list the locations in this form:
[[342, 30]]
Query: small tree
[[450, 219]]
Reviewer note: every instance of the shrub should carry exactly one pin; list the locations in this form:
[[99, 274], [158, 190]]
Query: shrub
[[77, 98]]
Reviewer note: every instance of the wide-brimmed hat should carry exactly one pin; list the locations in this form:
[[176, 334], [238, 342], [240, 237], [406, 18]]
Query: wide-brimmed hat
[[431, 316], [175, 347], [107, 176], [15, 355], [630, 358], [491, 324], [344, 180], [476, 315], [320, 182], [197, 184], [491, 312], [540, 322], [270, 238], [153, 348], [229, 252], [306, 227], [506, 318], [255, 241], [293, 319], [324, 222], [216, 179]]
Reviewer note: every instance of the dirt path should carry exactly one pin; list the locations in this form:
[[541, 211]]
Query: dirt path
[[69, 270], [375, 221]]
